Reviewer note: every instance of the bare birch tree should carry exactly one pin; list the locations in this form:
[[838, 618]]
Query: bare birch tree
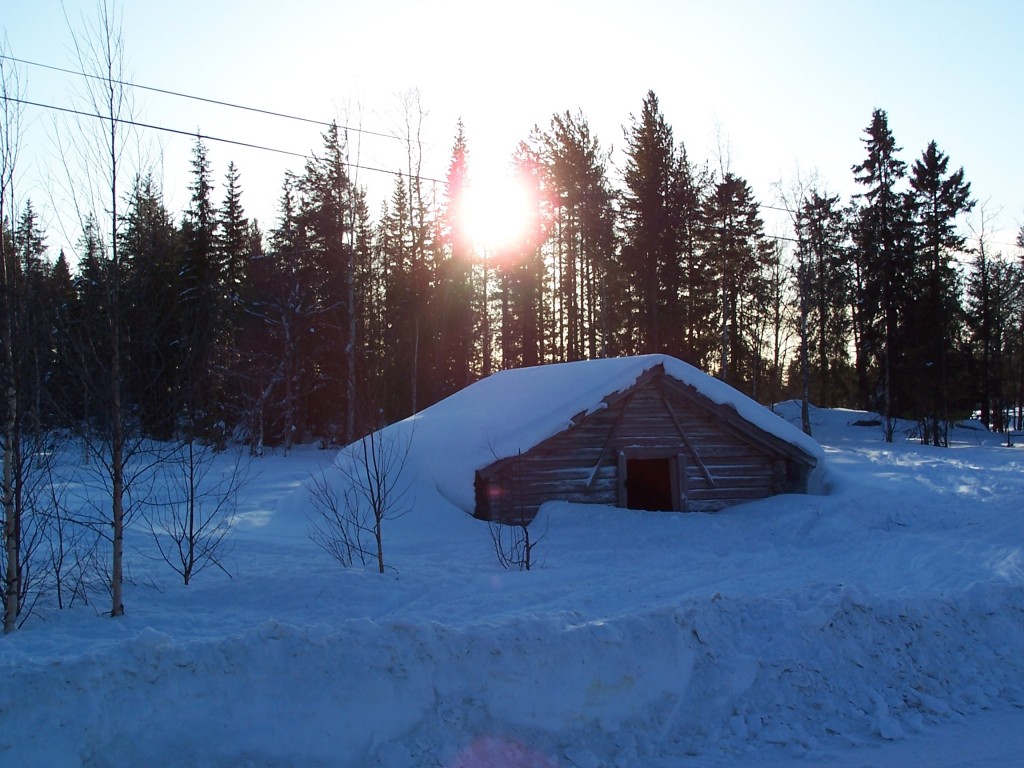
[[191, 519], [367, 487], [99, 50], [10, 122]]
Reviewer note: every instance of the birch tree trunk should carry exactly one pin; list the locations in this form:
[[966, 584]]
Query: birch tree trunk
[[10, 116], [100, 53]]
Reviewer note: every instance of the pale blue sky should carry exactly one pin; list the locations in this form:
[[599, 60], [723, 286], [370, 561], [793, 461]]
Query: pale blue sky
[[783, 85]]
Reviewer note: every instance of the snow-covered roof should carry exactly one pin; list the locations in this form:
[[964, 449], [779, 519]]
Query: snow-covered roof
[[514, 410]]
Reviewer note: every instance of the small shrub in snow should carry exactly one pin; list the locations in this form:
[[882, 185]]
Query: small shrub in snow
[[513, 546], [365, 488], [190, 516]]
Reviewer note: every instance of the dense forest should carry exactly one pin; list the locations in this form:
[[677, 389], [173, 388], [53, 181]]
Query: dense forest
[[200, 328], [336, 321]]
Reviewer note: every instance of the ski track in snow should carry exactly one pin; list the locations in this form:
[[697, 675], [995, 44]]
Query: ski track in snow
[[879, 625]]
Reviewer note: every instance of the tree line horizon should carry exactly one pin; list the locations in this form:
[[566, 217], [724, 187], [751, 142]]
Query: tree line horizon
[[335, 322]]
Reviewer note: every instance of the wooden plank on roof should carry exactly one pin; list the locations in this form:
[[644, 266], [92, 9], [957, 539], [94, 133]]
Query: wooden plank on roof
[[740, 426], [686, 442], [611, 436]]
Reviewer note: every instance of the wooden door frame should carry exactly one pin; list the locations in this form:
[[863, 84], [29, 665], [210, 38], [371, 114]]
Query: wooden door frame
[[677, 471]]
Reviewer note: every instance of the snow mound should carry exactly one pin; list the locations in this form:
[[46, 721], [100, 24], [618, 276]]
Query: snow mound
[[512, 411]]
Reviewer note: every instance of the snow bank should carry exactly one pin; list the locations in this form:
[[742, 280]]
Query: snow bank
[[814, 673]]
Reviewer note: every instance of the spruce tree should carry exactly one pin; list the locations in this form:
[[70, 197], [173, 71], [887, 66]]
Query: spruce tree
[[648, 250], [233, 234], [939, 197], [737, 256], [526, 339], [62, 391], [824, 283], [1018, 323], [398, 357], [455, 296], [582, 239], [154, 313], [237, 248], [994, 286], [691, 329], [280, 300], [332, 214], [200, 299], [87, 335], [34, 350], [884, 259]]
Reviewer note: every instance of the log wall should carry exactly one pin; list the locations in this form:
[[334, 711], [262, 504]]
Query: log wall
[[726, 460]]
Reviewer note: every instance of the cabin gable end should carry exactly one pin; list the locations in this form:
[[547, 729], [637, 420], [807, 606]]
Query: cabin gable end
[[659, 444]]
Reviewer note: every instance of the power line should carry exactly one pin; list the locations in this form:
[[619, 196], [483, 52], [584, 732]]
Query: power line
[[794, 240], [232, 106], [205, 137], [218, 102], [304, 156], [262, 148], [257, 110]]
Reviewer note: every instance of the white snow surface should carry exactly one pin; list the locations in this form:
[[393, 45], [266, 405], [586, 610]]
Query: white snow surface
[[514, 410], [879, 625]]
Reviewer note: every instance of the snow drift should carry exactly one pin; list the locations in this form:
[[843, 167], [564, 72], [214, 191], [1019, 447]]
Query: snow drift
[[792, 628]]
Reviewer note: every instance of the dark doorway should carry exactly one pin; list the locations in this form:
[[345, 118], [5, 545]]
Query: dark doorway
[[649, 484]]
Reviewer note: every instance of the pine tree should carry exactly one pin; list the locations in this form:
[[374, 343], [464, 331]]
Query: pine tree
[[691, 327], [332, 212], [201, 305], [521, 274], [824, 283], [398, 359], [280, 300], [939, 198], [153, 312], [237, 247], [884, 260], [771, 320], [234, 239], [994, 286], [648, 250], [455, 296], [736, 257], [582, 226]]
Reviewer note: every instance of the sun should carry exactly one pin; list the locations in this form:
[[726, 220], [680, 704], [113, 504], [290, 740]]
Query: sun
[[497, 215]]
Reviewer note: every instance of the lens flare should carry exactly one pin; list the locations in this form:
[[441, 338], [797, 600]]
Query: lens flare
[[497, 216]]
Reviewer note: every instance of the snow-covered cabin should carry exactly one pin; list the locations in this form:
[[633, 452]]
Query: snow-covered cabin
[[645, 432]]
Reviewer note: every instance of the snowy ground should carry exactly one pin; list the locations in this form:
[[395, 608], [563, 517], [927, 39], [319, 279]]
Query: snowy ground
[[880, 625]]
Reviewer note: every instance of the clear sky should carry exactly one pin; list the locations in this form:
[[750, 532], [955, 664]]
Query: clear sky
[[776, 86]]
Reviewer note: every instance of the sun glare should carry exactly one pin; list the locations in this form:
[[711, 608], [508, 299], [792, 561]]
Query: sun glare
[[496, 216]]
